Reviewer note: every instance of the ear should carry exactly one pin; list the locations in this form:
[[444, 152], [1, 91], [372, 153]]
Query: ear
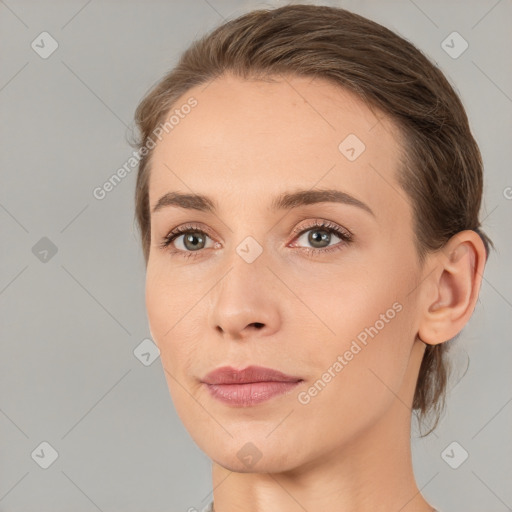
[[453, 287]]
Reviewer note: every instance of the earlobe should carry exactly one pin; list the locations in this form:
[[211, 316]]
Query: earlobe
[[453, 288]]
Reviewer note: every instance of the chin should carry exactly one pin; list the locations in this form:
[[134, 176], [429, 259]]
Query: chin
[[271, 464], [249, 451]]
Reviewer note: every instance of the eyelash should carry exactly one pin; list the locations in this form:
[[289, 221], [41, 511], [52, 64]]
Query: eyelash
[[344, 235]]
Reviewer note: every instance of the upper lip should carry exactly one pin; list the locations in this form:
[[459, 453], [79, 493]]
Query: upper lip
[[230, 375]]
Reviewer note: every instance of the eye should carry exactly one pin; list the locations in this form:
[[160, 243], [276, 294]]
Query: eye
[[319, 235], [190, 240]]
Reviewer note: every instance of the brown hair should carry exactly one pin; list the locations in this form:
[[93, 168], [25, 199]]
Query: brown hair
[[441, 165]]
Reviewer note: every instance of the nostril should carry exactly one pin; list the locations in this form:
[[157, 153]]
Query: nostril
[[257, 324]]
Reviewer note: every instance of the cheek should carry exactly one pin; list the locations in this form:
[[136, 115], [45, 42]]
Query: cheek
[[167, 311], [358, 374], [157, 306], [173, 319], [369, 317]]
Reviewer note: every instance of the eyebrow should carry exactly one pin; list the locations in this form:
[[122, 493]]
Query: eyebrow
[[284, 201]]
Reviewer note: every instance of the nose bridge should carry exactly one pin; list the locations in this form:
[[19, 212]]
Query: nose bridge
[[244, 298]]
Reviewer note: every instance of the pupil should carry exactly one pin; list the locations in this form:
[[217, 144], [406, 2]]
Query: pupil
[[192, 238], [313, 239]]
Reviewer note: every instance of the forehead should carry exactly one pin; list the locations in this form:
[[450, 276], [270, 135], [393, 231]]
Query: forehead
[[248, 140]]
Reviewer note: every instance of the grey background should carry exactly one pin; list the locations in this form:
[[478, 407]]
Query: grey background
[[70, 324]]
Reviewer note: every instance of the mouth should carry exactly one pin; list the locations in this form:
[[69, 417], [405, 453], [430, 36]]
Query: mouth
[[248, 387]]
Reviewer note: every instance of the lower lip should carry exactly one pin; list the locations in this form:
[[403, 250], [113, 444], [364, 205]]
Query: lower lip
[[246, 395]]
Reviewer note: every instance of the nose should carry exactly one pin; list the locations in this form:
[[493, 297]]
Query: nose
[[233, 331], [246, 302]]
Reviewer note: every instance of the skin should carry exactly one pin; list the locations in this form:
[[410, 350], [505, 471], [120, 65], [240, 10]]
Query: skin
[[349, 447]]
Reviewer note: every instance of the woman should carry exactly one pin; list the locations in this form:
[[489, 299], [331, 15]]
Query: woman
[[308, 197]]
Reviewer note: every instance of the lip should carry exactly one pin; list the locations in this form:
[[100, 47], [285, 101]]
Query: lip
[[230, 375], [250, 386]]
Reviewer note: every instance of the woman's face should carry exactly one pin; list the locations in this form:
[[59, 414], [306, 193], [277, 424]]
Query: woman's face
[[259, 281]]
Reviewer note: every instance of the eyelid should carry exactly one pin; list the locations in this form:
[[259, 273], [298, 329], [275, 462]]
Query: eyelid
[[182, 229], [323, 223]]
